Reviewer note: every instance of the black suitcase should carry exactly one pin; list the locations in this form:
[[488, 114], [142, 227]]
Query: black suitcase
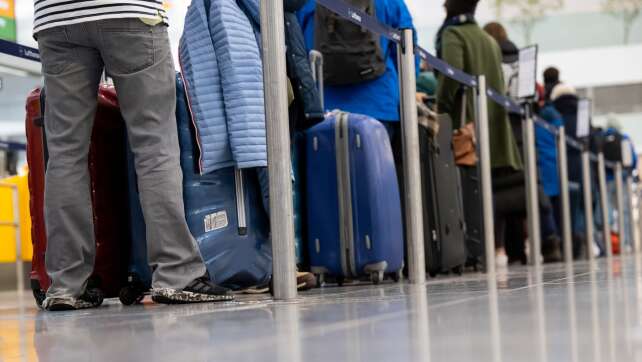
[[444, 226], [473, 214]]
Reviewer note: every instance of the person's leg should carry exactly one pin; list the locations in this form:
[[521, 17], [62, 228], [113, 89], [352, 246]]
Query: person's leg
[[550, 237], [138, 58], [71, 73]]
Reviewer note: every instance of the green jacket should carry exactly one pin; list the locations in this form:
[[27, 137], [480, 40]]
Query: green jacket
[[469, 48]]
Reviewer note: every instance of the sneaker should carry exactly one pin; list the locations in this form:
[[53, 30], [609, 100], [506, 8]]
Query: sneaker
[[551, 250], [501, 259], [91, 298], [200, 290]]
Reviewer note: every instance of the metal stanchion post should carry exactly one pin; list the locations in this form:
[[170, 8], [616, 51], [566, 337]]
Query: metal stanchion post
[[532, 196], [619, 195], [588, 203], [604, 205], [278, 147], [629, 203], [412, 168], [567, 233], [486, 176]]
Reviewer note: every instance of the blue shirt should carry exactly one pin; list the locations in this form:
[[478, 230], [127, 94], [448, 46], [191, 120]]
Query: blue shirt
[[377, 98], [547, 151]]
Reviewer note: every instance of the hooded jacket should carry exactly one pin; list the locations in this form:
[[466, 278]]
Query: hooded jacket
[[222, 70], [298, 66], [566, 105], [547, 151]]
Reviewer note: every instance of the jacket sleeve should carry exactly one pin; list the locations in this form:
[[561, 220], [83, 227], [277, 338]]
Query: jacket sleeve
[[240, 67], [400, 18], [306, 20], [453, 54]]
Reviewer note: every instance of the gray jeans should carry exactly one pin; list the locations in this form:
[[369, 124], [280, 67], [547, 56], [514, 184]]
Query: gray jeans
[[138, 58]]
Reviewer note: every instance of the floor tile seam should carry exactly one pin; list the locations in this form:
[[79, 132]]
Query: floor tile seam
[[487, 294], [553, 281]]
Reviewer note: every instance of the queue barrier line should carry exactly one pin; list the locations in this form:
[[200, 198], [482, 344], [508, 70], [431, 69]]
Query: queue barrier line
[[372, 24], [12, 146]]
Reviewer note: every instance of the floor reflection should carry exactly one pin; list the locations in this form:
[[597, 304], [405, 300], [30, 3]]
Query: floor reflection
[[585, 312]]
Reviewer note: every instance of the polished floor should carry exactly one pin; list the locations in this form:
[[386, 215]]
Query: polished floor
[[587, 313]]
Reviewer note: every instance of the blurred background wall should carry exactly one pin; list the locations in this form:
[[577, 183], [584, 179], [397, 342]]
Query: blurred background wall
[[597, 45]]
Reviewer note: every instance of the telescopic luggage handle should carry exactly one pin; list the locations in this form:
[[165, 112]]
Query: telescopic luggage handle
[[316, 63]]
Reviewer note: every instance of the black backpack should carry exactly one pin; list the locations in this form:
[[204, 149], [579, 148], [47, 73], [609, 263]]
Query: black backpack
[[351, 53], [613, 147]]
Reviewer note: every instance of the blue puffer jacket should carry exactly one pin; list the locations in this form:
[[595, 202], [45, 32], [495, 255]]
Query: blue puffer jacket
[[547, 151], [222, 70]]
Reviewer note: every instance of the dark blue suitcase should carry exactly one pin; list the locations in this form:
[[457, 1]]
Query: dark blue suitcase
[[354, 208], [139, 278], [224, 213]]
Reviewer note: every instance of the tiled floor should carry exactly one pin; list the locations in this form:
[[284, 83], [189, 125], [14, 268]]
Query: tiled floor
[[584, 314]]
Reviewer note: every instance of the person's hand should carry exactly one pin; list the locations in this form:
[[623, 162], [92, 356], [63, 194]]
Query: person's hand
[[421, 97]]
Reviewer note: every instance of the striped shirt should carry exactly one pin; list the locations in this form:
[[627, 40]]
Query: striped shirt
[[52, 13]]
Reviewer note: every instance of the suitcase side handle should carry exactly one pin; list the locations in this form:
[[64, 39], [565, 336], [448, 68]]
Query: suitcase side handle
[[40, 121], [240, 201], [316, 63]]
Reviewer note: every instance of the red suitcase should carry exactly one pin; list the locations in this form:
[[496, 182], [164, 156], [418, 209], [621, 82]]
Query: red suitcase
[[108, 170]]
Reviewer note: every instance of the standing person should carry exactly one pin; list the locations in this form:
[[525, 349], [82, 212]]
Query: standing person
[[365, 82], [77, 41], [510, 56], [565, 100], [547, 164], [551, 79], [464, 45]]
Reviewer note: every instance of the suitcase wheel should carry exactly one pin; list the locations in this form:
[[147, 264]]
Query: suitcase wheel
[[131, 294], [40, 296], [398, 276], [38, 293], [459, 270], [376, 277]]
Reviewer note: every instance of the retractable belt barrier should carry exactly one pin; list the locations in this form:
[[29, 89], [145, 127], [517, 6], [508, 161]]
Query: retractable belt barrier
[[372, 24], [12, 146], [20, 51]]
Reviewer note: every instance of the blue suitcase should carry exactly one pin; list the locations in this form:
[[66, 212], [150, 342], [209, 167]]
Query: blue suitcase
[[139, 278], [354, 207], [224, 213]]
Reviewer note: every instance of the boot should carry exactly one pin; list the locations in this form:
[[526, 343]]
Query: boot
[[551, 249]]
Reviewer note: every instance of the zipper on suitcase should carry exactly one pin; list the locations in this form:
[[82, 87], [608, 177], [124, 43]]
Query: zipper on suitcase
[[240, 201], [345, 195]]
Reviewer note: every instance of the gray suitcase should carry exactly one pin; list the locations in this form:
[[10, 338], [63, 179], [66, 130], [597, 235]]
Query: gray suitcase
[[444, 225]]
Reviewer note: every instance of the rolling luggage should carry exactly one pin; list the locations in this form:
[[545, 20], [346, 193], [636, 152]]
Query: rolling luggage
[[224, 213], [107, 166], [444, 226], [473, 213], [354, 207], [139, 277]]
